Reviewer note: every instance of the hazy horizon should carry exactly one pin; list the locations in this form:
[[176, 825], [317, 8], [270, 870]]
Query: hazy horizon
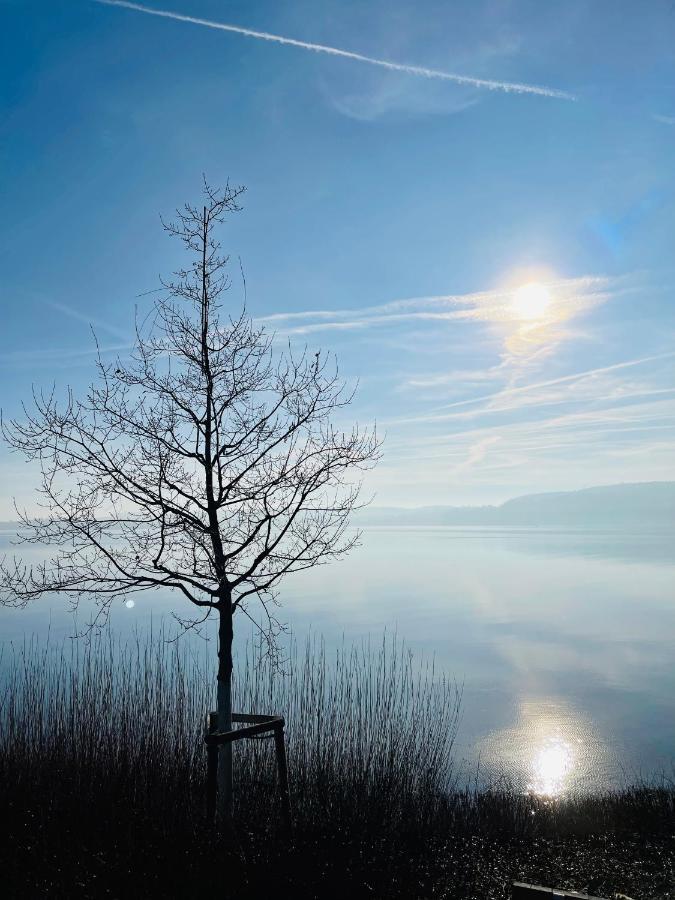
[[579, 490]]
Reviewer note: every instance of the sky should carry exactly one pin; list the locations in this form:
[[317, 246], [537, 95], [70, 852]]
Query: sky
[[472, 204]]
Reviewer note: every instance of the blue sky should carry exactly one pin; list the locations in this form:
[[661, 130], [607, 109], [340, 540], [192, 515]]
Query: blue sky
[[494, 264]]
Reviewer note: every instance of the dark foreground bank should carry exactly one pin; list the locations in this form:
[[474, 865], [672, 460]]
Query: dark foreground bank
[[102, 787]]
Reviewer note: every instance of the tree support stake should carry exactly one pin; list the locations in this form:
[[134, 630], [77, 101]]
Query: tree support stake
[[254, 725]]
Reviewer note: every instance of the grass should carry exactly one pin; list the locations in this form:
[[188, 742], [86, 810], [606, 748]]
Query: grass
[[102, 778]]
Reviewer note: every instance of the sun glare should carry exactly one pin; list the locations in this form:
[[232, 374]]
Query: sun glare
[[531, 301], [551, 768]]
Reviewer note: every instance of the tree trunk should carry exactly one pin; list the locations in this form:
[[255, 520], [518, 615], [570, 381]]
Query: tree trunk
[[224, 708]]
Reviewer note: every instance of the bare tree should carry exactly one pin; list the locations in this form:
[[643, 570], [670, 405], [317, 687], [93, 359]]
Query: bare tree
[[205, 463]]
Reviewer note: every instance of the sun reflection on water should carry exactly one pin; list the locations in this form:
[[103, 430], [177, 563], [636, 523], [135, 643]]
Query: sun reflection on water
[[552, 766], [551, 751]]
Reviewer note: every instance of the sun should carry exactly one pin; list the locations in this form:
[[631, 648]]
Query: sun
[[531, 301]]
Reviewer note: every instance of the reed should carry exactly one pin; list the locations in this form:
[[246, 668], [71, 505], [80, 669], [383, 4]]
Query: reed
[[370, 733], [102, 770]]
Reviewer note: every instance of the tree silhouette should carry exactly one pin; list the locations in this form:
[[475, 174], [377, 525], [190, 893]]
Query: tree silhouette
[[204, 462]]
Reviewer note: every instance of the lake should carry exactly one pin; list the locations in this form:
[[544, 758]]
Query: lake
[[564, 641]]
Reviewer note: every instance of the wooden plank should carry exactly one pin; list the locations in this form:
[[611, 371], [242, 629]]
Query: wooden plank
[[282, 766], [253, 718], [226, 737], [522, 891], [260, 725], [211, 770]]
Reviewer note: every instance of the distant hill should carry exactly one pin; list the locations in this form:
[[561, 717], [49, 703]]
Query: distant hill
[[647, 504]]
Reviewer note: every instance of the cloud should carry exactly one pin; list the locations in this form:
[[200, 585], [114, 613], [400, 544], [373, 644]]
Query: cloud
[[68, 357], [421, 71], [477, 452], [525, 341], [503, 421], [378, 94], [88, 320], [664, 120], [518, 396], [593, 443], [390, 96], [571, 294], [56, 356], [603, 425]]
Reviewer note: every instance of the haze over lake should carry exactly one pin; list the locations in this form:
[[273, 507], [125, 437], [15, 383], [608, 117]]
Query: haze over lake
[[561, 638]]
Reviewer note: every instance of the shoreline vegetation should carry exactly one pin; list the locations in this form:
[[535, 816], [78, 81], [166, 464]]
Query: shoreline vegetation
[[102, 775]]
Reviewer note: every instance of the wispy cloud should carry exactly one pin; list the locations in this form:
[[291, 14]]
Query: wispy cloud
[[512, 398], [411, 98], [512, 415], [599, 425], [56, 356], [601, 440], [86, 319], [571, 294], [508, 420], [391, 95], [525, 340], [421, 71], [477, 452], [664, 120]]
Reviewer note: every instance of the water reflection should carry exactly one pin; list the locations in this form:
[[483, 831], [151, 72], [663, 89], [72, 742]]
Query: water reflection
[[553, 750], [551, 768], [559, 638]]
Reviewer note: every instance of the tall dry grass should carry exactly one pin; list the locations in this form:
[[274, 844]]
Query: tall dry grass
[[102, 771], [369, 733]]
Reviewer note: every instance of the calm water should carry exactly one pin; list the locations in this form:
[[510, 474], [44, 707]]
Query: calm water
[[564, 641]]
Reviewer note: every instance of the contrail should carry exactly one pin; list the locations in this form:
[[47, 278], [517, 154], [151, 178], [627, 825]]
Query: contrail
[[489, 84], [526, 388]]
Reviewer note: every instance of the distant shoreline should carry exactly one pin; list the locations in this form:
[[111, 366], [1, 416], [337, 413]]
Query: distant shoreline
[[612, 508], [618, 507]]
